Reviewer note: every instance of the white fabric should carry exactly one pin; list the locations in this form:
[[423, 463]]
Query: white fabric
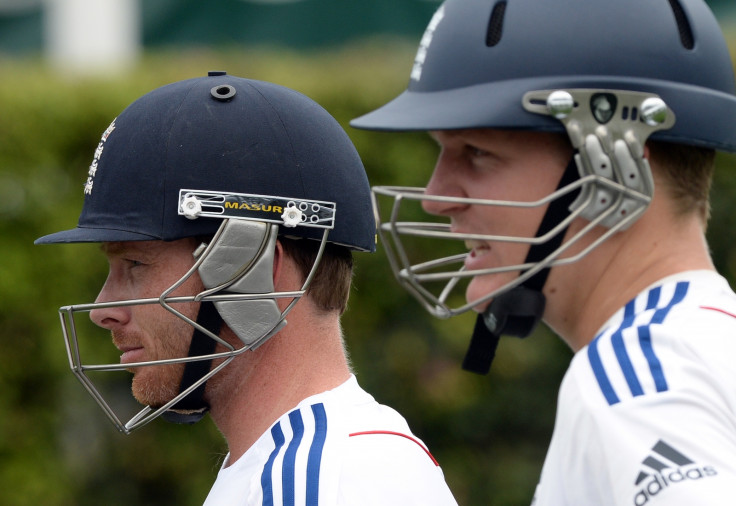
[[647, 411], [315, 455]]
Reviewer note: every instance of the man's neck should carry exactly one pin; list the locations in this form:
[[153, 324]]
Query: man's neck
[[260, 386], [590, 291]]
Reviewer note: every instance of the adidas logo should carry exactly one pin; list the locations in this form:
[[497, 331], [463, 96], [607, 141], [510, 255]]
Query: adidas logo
[[663, 467]]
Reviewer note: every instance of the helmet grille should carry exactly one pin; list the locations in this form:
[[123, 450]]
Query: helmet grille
[[683, 25], [495, 24]]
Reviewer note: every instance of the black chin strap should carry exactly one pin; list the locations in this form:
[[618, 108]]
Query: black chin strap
[[193, 407], [518, 311]]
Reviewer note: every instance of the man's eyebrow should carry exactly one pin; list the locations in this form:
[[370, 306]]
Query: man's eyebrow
[[112, 248]]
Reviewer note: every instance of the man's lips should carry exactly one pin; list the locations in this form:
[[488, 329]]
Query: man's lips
[[477, 251], [131, 354]]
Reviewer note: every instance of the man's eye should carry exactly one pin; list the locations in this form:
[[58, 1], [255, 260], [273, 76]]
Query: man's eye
[[134, 263], [476, 152]]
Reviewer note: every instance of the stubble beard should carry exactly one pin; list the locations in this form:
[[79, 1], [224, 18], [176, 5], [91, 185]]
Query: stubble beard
[[156, 385]]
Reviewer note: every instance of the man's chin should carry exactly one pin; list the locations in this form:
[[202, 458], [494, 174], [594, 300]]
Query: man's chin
[[481, 308], [150, 391], [475, 296], [481, 287]]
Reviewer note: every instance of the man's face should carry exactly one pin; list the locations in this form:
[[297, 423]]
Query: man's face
[[139, 270], [496, 165]]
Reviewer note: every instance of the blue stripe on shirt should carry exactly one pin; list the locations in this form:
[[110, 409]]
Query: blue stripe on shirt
[[288, 471], [289, 465], [278, 438], [645, 341], [315, 454], [600, 373], [645, 337], [619, 348]]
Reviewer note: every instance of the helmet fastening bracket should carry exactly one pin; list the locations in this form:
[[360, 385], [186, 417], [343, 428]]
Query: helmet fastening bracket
[[608, 128]]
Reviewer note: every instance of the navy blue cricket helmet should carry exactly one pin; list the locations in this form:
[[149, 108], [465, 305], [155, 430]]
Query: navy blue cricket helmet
[[478, 58], [220, 133]]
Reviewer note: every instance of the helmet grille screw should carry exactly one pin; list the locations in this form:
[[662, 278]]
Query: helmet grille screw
[[560, 104], [191, 207], [653, 111], [292, 216]]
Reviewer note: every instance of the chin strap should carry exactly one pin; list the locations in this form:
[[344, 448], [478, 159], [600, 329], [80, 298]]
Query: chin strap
[[518, 311], [193, 407]]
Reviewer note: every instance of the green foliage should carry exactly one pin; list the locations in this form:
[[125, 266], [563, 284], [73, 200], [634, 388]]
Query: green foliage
[[56, 448]]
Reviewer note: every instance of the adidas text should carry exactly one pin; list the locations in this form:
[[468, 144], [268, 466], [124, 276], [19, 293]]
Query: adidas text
[[661, 481]]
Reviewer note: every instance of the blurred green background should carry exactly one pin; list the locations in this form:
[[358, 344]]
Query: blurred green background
[[57, 448]]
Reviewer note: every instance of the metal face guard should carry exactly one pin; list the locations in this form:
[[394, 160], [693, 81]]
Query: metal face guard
[[228, 291], [608, 128]]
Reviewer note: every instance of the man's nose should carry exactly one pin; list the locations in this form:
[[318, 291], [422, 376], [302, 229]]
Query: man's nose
[[109, 317], [444, 182]]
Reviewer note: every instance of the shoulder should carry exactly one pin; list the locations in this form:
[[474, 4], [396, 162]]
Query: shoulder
[[337, 447], [381, 460], [345, 448], [373, 430], [654, 388], [660, 340], [391, 467]]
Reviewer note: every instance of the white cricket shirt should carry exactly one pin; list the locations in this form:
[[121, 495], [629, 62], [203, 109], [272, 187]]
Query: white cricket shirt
[[647, 411], [336, 448]]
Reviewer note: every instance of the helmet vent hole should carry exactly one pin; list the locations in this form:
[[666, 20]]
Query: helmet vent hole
[[223, 92], [495, 25], [683, 25], [632, 114]]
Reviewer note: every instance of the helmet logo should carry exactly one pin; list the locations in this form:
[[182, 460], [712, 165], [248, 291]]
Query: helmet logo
[[96, 159], [603, 106], [416, 71]]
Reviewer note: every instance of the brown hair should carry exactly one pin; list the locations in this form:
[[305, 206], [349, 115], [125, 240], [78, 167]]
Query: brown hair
[[688, 174], [330, 285]]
